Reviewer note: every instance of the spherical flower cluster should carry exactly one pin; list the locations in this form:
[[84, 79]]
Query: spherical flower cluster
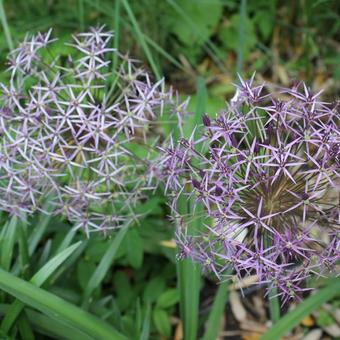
[[70, 126], [263, 178]]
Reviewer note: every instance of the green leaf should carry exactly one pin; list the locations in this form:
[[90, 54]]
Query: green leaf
[[265, 20], [123, 290], [294, 317], [205, 16], [162, 322], [85, 269], [38, 279], [7, 242], [168, 298], [154, 288], [104, 265], [230, 35], [135, 248], [57, 308], [54, 328]]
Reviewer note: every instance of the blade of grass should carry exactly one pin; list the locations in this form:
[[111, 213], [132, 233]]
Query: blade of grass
[[217, 310], [46, 326], [104, 265], [57, 308], [49, 327], [7, 242], [66, 241], [140, 38], [105, 10], [68, 263], [294, 317], [163, 52], [5, 26], [38, 279]]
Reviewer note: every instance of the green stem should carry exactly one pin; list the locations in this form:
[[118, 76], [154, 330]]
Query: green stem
[[274, 306], [273, 299], [217, 310]]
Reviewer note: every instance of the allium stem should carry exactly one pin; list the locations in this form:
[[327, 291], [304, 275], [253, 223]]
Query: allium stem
[[189, 275], [274, 305], [217, 311], [273, 299]]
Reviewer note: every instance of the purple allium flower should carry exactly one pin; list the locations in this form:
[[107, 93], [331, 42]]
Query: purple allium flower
[[264, 179], [70, 128]]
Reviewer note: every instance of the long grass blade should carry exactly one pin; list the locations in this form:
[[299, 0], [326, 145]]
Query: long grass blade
[[7, 242], [141, 39], [57, 308], [44, 325], [294, 317], [107, 10], [5, 26], [38, 279]]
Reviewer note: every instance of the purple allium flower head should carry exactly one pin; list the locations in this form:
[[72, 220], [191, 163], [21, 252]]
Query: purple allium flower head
[[264, 179], [70, 127]]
